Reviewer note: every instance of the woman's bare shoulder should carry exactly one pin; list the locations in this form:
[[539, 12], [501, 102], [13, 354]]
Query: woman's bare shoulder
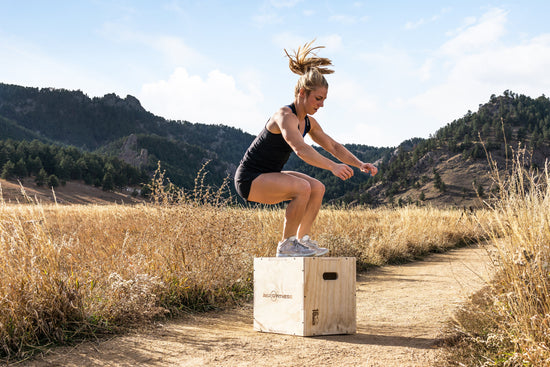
[[283, 111], [275, 122]]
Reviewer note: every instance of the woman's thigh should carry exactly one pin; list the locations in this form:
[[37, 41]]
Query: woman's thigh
[[275, 187], [315, 184]]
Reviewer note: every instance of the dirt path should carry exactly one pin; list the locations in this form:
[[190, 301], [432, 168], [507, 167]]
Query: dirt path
[[400, 312]]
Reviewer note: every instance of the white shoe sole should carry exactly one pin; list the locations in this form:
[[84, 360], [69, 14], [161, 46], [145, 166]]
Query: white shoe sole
[[296, 255], [321, 253]]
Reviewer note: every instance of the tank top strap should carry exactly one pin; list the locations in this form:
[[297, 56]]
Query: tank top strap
[[293, 108], [308, 124]]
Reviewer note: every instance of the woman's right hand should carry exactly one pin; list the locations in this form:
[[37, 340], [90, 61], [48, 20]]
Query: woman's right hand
[[342, 171]]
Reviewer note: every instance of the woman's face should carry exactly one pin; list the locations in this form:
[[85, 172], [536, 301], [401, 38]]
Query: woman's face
[[315, 99]]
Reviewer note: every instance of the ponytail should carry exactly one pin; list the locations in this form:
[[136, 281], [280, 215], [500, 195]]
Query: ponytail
[[310, 67]]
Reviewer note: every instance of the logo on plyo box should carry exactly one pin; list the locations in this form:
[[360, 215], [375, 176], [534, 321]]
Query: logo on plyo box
[[274, 296], [315, 317]]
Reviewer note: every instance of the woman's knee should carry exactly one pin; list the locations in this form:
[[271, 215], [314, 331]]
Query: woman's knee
[[317, 188], [302, 188]]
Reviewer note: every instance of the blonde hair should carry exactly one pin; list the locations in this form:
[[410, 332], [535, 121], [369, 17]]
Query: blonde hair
[[310, 67]]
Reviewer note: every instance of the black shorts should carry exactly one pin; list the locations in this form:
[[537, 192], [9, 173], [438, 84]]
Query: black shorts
[[243, 181]]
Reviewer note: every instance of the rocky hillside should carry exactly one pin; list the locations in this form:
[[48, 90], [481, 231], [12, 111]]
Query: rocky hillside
[[453, 168]]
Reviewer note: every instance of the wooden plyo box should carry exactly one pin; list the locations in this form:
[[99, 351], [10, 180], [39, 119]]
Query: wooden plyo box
[[305, 296]]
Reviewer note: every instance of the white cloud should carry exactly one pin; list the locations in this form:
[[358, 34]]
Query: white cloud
[[468, 21], [173, 50], [522, 68], [176, 51], [477, 63], [478, 36], [425, 71], [215, 99]]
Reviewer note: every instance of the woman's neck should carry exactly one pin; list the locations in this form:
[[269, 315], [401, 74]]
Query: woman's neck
[[300, 110]]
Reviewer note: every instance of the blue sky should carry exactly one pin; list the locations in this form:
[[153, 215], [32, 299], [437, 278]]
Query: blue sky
[[403, 69]]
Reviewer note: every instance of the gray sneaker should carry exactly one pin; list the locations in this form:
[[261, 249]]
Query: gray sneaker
[[291, 247], [313, 245]]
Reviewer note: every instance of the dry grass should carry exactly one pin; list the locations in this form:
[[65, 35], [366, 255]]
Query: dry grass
[[382, 236], [71, 272], [508, 324]]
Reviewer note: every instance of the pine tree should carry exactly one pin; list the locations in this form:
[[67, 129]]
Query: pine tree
[[108, 182], [41, 177], [53, 181], [8, 171], [21, 168], [438, 182]]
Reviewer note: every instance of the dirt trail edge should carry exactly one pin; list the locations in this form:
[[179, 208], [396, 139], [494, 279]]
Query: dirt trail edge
[[400, 313]]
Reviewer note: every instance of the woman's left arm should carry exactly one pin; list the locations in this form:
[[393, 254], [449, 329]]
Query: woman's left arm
[[338, 150]]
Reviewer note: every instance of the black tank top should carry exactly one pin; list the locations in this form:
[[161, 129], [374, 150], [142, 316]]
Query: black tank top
[[269, 152]]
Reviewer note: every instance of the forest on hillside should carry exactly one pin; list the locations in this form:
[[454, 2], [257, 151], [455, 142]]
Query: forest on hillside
[[504, 126], [53, 165]]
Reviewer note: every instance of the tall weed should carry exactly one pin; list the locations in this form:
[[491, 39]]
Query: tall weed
[[508, 324]]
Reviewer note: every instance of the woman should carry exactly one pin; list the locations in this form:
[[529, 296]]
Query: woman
[[260, 178]]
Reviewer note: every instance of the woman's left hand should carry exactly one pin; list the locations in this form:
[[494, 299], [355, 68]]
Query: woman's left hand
[[369, 168]]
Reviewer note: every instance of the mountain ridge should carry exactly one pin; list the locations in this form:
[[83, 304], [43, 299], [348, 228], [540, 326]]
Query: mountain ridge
[[448, 169]]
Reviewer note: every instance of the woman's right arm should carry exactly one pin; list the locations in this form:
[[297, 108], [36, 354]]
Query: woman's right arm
[[288, 125]]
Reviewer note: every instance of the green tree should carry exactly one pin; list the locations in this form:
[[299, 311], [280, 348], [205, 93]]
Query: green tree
[[4, 157], [8, 171], [65, 167], [34, 165], [21, 168], [41, 177], [108, 182], [53, 181], [438, 182]]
